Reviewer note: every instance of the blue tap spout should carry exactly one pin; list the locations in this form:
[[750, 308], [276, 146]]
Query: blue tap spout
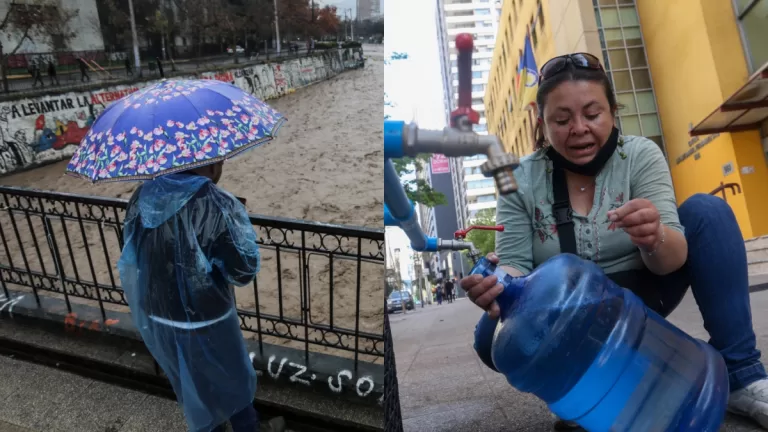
[[393, 139], [399, 211]]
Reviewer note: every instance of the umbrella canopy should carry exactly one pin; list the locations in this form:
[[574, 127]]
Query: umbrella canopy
[[172, 126]]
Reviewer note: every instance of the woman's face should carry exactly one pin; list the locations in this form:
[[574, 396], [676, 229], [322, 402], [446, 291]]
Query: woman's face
[[577, 120]]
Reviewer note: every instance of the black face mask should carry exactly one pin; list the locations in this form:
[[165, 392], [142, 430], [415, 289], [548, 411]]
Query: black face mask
[[591, 168]]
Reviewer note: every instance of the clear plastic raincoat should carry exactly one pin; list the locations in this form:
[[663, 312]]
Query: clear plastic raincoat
[[186, 242]]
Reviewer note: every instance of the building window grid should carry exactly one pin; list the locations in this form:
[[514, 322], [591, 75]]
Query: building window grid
[[637, 112]]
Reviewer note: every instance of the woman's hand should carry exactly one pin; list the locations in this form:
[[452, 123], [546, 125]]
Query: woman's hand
[[483, 291], [641, 220]]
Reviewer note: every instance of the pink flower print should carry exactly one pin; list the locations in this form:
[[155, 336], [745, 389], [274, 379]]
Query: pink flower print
[[151, 101], [135, 145], [185, 152], [222, 151], [170, 123], [176, 94], [203, 121], [161, 160], [100, 135], [122, 156], [209, 112], [158, 145], [239, 136], [180, 135], [620, 198], [226, 122], [230, 113], [243, 118], [92, 156], [224, 133], [179, 124], [186, 93], [224, 144], [103, 173], [136, 106], [132, 164], [170, 148], [121, 136], [158, 130], [179, 142], [148, 136], [179, 88], [207, 148], [112, 167], [166, 98], [214, 130], [191, 126], [199, 155], [151, 163], [91, 148], [203, 134], [219, 113], [140, 133], [115, 151], [251, 136], [236, 108], [142, 169]]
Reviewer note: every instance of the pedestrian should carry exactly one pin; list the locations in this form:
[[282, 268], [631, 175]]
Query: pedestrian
[[187, 317], [453, 288], [637, 233], [36, 75], [128, 67], [160, 66], [52, 73], [439, 294], [83, 70]]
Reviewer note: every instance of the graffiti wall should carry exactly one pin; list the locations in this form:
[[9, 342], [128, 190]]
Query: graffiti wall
[[47, 129]]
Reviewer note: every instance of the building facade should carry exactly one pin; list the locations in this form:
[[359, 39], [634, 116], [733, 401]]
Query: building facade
[[689, 74], [84, 26], [367, 9]]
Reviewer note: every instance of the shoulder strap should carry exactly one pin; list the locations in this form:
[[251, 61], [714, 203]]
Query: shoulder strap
[[561, 209]]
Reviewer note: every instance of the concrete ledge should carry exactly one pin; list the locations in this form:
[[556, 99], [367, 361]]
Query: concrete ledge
[[322, 386]]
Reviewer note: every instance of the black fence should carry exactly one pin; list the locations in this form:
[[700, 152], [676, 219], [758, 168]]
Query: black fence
[[320, 287]]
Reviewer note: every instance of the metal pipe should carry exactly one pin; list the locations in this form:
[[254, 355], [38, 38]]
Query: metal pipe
[[399, 207]]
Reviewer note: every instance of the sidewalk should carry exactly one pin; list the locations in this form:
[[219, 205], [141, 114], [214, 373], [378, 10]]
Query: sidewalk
[[444, 386], [35, 398]]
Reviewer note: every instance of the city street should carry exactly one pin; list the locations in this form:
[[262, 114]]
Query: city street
[[445, 387]]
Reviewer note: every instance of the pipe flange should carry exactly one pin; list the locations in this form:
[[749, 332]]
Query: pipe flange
[[505, 160]]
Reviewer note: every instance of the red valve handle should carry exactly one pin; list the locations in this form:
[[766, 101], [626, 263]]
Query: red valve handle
[[460, 234], [464, 45]]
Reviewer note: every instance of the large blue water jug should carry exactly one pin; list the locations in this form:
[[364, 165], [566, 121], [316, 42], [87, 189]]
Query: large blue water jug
[[598, 356]]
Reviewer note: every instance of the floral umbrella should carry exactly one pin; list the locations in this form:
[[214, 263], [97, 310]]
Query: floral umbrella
[[172, 126]]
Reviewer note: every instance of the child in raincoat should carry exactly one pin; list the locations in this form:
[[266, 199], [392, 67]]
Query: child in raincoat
[[186, 242]]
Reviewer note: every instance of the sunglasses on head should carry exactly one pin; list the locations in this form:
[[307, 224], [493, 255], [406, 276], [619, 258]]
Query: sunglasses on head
[[560, 63]]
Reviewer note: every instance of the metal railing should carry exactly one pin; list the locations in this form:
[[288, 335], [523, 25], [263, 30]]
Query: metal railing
[[320, 285]]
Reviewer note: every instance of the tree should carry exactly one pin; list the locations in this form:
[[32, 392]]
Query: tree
[[36, 21], [418, 190], [484, 241], [327, 22]]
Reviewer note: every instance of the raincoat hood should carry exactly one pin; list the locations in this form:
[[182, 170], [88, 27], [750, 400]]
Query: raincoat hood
[[161, 198]]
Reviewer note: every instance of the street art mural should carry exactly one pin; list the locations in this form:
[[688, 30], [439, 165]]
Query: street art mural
[[46, 129]]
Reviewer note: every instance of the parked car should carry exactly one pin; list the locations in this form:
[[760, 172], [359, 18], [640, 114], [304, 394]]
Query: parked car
[[396, 300], [237, 49]]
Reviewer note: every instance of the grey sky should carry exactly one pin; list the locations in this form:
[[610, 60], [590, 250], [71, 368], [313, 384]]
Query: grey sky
[[343, 4]]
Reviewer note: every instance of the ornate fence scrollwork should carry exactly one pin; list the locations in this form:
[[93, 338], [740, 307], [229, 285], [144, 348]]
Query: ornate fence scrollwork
[[68, 245]]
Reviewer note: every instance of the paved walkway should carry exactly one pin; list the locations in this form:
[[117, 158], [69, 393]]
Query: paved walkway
[[445, 387]]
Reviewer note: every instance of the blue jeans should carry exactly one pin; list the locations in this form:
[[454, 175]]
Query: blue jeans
[[716, 271], [246, 420]]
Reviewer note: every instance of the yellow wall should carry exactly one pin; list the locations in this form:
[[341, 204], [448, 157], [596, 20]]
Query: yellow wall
[[697, 61]]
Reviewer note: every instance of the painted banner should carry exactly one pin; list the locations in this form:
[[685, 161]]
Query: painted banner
[[440, 164], [45, 129]]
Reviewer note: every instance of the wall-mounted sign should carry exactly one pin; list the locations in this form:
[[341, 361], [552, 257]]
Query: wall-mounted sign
[[440, 164], [749, 169], [727, 169], [695, 144]]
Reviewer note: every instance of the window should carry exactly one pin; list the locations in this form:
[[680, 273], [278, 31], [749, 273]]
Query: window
[[477, 88], [479, 184], [477, 74], [753, 18], [480, 128], [482, 11]]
